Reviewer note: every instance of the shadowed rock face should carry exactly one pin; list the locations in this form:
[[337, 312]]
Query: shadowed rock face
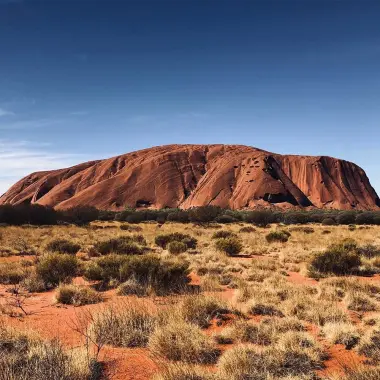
[[185, 176]]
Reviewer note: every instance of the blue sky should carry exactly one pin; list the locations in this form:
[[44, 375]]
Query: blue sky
[[83, 80]]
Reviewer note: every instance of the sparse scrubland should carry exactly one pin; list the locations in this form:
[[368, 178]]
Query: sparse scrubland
[[252, 296]]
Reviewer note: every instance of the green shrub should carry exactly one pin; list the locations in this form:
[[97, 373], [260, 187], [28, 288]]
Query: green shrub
[[176, 247], [125, 245], [260, 218], [328, 222], [335, 260], [80, 215], [164, 239], [365, 217], [247, 229], [346, 217], [277, 236], [204, 214], [223, 234], [127, 227], [230, 246], [162, 275], [225, 219], [56, 268], [78, 296], [63, 246], [178, 216], [105, 268]]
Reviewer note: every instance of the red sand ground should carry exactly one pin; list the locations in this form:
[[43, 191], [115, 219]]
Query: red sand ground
[[51, 320]]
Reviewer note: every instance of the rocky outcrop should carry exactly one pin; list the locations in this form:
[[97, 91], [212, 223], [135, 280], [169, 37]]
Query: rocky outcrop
[[185, 176]]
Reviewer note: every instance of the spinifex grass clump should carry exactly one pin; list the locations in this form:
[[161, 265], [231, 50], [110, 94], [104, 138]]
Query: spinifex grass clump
[[24, 356]]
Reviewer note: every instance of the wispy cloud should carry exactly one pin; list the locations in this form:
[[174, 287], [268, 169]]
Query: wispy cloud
[[191, 115], [20, 158], [78, 113], [30, 124], [4, 112]]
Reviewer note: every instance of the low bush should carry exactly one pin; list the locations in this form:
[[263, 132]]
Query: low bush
[[124, 245], [278, 236], [163, 240], [80, 215], [161, 275], [63, 246], [336, 259], [128, 227], [260, 218], [78, 296], [204, 214], [223, 234], [56, 268], [346, 217], [183, 341], [365, 217], [178, 216], [328, 222], [247, 229], [176, 247], [105, 268], [225, 219], [230, 246]]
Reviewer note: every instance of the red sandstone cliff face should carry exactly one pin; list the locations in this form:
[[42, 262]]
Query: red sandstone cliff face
[[195, 175]]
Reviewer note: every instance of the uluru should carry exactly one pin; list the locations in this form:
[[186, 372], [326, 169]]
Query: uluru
[[185, 176]]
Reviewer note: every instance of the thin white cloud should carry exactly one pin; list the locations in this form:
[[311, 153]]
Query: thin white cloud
[[78, 113], [4, 112], [30, 124], [18, 159]]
